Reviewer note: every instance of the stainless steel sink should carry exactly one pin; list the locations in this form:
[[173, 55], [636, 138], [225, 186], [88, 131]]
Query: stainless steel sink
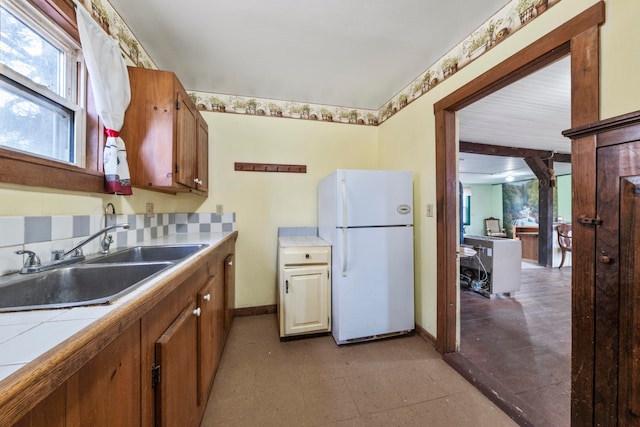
[[150, 254], [76, 286]]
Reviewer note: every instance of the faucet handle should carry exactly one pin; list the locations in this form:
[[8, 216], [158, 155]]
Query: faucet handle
[[106, 243], [32, 260]]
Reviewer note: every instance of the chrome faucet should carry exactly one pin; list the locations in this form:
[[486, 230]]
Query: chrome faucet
[[77, 250], [33, 264], [106, 241]]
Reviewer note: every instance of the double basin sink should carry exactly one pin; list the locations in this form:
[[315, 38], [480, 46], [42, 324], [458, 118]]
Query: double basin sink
[[98, 281]]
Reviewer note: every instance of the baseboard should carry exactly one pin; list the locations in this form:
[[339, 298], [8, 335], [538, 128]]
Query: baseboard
[[253, 311], [422, 333]]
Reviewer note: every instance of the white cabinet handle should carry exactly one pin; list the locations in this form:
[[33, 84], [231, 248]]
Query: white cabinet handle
[[230, 262], [207, 297], [197, 311]]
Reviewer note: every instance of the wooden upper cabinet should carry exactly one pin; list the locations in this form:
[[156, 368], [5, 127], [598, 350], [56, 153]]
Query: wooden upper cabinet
[[165, 135], [203, 155]]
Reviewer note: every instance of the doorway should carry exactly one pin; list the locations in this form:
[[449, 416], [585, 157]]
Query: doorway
[[579, 37], [515, 331]]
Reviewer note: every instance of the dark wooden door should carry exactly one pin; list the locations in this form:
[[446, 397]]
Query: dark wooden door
[[229, 291], [617, 288], [176, 354], [207, 340]]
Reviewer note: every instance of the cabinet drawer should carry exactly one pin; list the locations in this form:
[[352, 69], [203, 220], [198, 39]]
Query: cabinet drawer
[[307, 255]]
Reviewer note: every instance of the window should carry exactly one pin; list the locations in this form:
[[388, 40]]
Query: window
[[466, 209], [41, 87]]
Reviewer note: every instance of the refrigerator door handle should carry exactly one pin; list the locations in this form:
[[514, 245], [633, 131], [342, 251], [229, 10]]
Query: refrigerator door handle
[[343, 186], [345, 246]]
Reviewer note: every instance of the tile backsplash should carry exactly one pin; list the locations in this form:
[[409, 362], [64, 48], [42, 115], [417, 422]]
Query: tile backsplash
[[44, 234]]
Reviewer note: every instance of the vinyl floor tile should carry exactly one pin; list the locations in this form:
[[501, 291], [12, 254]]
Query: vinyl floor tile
[[262, 381]]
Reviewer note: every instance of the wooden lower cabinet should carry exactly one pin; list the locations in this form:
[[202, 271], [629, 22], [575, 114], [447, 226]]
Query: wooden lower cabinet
[[176, 385], [160, 370], [51, 412], [229, 291], [104, 392]]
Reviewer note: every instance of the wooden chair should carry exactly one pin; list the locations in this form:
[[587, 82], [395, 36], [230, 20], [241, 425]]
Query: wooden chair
[[492, 225], [564, 240]]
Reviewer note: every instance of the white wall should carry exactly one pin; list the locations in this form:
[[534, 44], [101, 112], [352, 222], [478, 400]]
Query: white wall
[[265, 201]]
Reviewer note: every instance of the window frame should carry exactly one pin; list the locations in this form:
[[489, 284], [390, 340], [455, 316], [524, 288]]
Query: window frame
[[87, 175]]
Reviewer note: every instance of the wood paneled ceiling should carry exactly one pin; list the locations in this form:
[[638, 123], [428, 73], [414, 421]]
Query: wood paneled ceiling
[[530, 114]]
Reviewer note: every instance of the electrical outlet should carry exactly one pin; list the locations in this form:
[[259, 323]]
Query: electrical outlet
[[219, 209], [430, 210], [150, 213]]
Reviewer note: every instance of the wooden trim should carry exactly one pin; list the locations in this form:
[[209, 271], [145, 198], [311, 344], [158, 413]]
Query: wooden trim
[[24, 172], [610, 131], [447, 231], [500, 150], [254, 311], [422, 333], [607, 125], [585, 102], [62, 12], [269, 167]]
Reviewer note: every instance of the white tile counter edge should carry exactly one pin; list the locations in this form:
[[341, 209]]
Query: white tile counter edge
[[295, 241], [26, 335]]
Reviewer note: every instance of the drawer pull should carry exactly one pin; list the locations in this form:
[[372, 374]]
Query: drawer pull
[[286, 286], [307, 256]]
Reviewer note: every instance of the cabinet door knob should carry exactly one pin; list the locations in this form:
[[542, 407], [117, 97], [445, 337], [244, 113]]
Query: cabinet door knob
[[307, 256], [197, 312], [230, 262], [207, 297], [605, 259]]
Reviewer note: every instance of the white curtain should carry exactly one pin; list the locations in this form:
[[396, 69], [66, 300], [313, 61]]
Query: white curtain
[[112, 93]]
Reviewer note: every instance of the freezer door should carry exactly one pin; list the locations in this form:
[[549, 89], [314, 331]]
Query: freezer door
[[372, 287], [374, 198]]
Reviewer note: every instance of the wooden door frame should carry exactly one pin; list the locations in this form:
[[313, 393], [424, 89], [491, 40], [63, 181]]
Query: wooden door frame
[[579, 37]]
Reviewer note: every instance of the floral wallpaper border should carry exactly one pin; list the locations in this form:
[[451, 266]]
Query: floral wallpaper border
[[500, 26]]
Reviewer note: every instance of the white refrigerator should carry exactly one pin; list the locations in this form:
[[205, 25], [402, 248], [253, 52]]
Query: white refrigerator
[[367, 217]]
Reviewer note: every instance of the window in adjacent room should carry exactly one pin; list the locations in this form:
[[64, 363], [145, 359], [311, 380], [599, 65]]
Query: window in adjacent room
[[466, 207], [41, 87]]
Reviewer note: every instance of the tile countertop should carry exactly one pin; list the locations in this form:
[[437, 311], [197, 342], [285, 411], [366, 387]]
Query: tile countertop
[[293, 241], [26, 335]]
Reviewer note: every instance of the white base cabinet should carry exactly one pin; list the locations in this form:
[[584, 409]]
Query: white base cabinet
[[304, 286]]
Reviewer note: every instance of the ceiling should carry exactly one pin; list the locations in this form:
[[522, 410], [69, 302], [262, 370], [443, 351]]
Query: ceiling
[[347, 53], [351, 53]]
